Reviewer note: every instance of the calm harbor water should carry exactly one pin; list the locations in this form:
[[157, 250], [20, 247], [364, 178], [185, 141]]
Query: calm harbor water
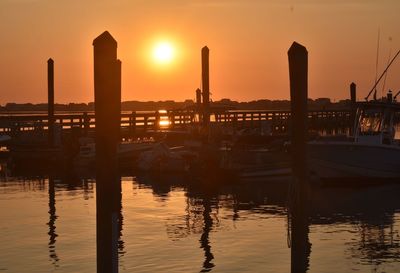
[[170, 225]]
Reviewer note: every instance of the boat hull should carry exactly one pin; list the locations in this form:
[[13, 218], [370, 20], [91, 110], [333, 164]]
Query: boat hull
[[353, 160]]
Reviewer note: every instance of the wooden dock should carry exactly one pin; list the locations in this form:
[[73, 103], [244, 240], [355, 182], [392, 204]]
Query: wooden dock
[[137, 122]]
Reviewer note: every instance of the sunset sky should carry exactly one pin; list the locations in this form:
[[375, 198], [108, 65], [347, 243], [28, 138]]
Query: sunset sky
[[248, 43]]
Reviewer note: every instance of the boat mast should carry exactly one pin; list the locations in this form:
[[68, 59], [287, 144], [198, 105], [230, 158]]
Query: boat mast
[[377, 60], [383, 74]]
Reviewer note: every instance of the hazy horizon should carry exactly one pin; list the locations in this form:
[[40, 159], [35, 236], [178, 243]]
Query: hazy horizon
[[248, 47], [175, 101]]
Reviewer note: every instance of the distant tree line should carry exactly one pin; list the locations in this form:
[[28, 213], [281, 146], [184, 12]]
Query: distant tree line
[[317, 104]]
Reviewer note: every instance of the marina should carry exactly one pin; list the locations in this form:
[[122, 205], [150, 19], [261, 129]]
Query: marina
[[211, 136]]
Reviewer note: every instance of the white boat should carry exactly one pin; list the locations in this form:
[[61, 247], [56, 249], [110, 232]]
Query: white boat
[[4, 139], [127, 153], [251, 164], [163, 159], [371, 152]]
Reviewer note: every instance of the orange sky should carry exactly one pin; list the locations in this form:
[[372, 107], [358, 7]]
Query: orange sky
[[248, 43]]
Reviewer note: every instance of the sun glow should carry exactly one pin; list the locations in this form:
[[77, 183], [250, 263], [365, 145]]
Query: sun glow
[[163, 53]]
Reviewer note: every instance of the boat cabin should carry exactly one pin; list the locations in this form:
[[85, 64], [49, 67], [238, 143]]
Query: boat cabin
[[375, 122]]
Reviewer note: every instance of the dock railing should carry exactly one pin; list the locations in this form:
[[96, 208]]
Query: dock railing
[[136, 121]]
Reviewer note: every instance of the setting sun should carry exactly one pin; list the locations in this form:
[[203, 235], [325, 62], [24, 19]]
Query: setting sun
[[163, 52]]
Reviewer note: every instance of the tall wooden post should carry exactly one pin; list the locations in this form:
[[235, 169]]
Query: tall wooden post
[[156, 124], [107, 95], [132, 124], [198, 98], [353, 108], [86, 124], [198, 105], [205, 79], [353, 93], [298, 73], [50, 101], [390, 96]]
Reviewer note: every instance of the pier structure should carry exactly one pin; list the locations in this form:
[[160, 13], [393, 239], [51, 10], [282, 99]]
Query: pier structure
[[136, 123], [139, 122]]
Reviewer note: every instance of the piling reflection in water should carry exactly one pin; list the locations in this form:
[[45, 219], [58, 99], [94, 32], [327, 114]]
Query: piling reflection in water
[[205, 240], [108, 229], [298, 221], [52, 223]]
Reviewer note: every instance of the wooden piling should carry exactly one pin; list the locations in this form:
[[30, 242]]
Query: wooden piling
[[156, 124], [205, 79], [107, 93], [132, 123], [198, 105], [86, 124], [353, 108], [50, 101], [389, 96], [171, 118], [198, 98], [298, 72], [353, 93], [298, 66]]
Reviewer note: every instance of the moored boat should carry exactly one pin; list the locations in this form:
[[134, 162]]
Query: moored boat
[[370, 152]]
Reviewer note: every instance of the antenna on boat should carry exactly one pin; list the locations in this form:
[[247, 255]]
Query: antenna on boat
[[384, 80], [383, 74], [377, 60]]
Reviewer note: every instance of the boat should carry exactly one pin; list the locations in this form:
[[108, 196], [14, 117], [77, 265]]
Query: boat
[[127, 152], [164, 159], [371, 152], [5, 139], [4, 143], [267, 160]]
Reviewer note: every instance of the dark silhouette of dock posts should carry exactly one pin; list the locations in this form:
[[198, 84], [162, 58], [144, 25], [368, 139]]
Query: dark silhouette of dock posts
[[107, 93], [156, 124], [198, 98], [353, 94], [86, 124], [353, 107], [198, 104], [298, 73], [205, 82], [390, 96], [50, 101], [132, 123]]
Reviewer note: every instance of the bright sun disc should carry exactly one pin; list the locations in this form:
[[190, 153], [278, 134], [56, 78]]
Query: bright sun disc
[[163, 52]]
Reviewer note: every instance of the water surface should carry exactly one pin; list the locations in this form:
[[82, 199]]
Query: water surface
[[170, 225]]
